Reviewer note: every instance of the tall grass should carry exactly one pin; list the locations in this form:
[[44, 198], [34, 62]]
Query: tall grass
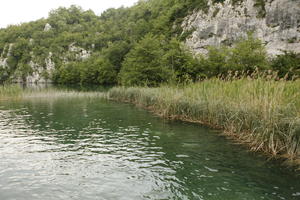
[[54, 93], [8, 91], [17, 92], [265, 114]]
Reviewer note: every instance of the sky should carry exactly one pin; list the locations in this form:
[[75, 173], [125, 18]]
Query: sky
[[18, 11]]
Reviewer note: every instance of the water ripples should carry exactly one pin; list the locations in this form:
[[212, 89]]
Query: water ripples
[[108, 151]]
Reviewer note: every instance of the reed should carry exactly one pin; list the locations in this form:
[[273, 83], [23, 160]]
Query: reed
[[54, 93], [17, 92], [265, 114], [9, 91]]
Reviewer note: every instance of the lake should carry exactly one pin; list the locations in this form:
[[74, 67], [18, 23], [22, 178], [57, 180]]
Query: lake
[[88, 148]]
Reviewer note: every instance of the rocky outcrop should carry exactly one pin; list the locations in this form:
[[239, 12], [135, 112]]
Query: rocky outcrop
[[224, 23], [40, 74], [5, 55], [47, 27], [80, 53]]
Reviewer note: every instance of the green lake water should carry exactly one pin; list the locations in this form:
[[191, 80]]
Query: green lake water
[[76, 148]]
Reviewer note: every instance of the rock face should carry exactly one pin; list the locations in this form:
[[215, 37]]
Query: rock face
[[48, 27], [40, 74], [80, 53], [4, 56], [42, 71], [278, 27]]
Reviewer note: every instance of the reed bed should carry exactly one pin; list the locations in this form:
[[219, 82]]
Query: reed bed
[[8, 91], [61, 93], [16, 92], [265, 114]]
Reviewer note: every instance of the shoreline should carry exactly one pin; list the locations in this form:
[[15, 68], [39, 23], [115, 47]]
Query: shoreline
[[268, 129], [263, 115]]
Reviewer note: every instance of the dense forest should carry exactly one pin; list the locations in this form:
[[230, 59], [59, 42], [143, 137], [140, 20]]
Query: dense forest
[[140, 45]]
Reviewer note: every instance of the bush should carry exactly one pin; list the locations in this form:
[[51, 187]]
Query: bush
[[144, 64], [67, 74], [95, 70], [287, 65], [107, 75], [217, 60], [185, 66], [248, 54]]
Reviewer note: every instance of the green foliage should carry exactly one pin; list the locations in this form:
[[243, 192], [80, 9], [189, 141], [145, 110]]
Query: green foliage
[[248, 54], [95, 70], [185, 66], [68, 74], [144, 64], [217, 60], [116, 52], [3, 75], [140, 45], [260, 4], [287, 65], [23, 71]]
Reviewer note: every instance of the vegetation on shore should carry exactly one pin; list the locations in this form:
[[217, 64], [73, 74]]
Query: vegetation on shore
[[140, 45], [8, 92], [265, 114], [262, 112]]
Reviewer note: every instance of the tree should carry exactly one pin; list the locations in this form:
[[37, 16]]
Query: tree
[[217, 60], [144, 64], [287, 64], [184, 64], [97, 70], [248, 54]]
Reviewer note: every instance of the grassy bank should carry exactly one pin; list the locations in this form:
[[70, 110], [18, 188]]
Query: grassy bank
[[263, 114], [9, 91], [16, 92]]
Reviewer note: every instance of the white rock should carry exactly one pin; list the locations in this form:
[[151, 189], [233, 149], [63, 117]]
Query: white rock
[[81, 53], [225, 23], [48, 27]]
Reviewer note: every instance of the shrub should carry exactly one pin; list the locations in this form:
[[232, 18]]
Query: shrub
[[248, 54], [144, 64], [68, 74], [185, 66], [217, 60], [287, 65]]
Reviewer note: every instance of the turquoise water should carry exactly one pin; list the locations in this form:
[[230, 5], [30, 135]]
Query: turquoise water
[[76, 148]]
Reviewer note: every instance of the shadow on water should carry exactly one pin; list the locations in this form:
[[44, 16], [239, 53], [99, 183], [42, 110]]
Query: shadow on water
[[93, 149]]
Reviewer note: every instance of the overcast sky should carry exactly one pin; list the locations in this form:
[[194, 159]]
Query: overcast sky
[[17, 11]]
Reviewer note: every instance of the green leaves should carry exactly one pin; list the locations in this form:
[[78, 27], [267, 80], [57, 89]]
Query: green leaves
[[246, 55], [144, 64], [287, 65], [96, 70]]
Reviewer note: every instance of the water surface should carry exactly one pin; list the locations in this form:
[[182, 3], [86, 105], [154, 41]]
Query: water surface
[[76, 148]]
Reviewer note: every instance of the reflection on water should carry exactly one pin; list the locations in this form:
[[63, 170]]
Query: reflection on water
[[91, 149]]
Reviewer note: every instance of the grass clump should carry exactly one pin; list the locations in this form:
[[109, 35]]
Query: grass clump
[[54, 93], [17, 92], [10, 91], [265, 114]]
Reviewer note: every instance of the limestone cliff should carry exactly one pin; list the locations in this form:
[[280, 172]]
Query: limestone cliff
[[40, 72], [277, 24]]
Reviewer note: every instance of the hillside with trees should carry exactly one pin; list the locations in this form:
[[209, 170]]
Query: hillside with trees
[[140, 45]]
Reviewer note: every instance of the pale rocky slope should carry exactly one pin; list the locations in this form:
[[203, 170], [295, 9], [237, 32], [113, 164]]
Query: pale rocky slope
[[277, 25]]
